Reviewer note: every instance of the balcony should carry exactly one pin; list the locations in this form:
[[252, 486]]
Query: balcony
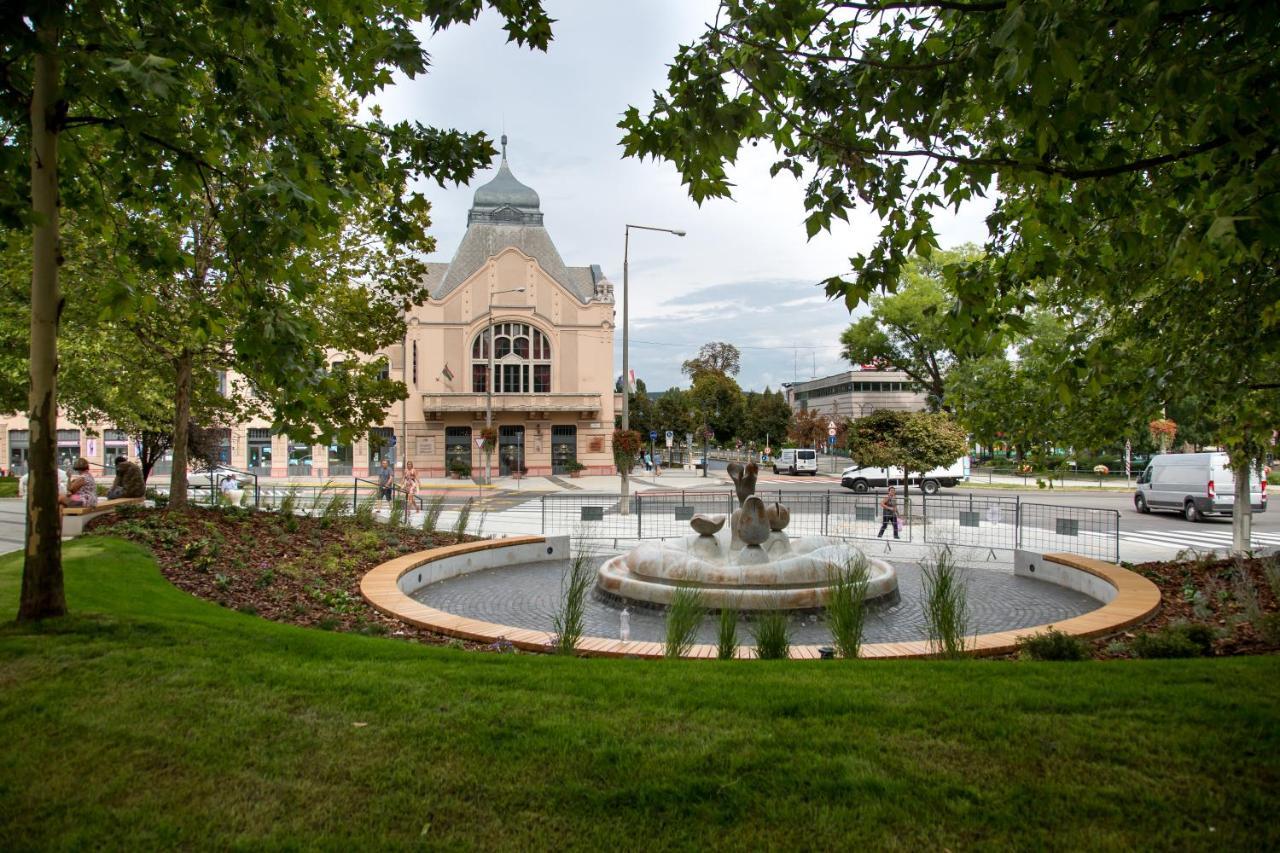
[[468, 401]]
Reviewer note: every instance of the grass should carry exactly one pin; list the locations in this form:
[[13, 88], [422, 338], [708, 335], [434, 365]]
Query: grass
[[771, 630], [152, 719], [569, 620], [8, 487], [727, 633]]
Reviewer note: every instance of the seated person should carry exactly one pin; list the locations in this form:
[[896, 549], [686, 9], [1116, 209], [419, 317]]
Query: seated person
[[128, 482], [62, 483], [82, 491]]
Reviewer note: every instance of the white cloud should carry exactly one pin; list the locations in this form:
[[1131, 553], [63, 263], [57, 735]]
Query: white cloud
[[745, 261]]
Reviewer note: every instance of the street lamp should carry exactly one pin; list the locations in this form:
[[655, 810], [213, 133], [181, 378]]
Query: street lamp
[[625, 504], [488, 385]]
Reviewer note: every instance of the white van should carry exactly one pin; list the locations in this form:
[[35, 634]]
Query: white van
[[1197, 485], [796, 460], [859, 479]]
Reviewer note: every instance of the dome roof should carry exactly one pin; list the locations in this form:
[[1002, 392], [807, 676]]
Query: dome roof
[[505, 191]]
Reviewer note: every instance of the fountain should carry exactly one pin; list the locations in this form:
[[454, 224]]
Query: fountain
[[751, 565]]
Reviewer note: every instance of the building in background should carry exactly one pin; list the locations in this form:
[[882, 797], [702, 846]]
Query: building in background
[[858, 392], [551, 389]]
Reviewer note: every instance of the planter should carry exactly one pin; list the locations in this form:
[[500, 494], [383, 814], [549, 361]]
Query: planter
[[575, 474]]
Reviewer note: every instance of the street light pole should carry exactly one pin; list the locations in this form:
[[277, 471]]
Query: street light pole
[[488, 384], [624, 505]]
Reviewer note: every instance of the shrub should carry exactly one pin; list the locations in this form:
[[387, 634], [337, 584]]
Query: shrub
[[1053, 645], [398, 514], [846, 604], [1269, 628], [364, 511], [772, 633], [289, 503], [464, 516], [431, 517], [568, 621], [335, 507], [946, 605], [626, 444], [573, 466], [727, 633], [684, 615], [1185, 640]]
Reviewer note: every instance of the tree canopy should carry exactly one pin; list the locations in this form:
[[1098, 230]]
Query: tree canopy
[[716, 357], [134, 103]]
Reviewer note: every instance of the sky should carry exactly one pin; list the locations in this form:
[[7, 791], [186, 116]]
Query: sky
[[745, 273]]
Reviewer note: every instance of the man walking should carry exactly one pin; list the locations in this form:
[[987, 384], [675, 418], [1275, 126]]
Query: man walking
[[385, 481]]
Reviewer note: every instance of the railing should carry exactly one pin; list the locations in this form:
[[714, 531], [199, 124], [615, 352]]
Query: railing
[[994, 523]]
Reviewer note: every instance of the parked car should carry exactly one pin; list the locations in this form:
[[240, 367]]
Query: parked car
[[796, 460], [1197, 485], [859, 479]]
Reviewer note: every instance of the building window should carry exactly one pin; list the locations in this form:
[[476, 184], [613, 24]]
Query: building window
[[415, 364], [384, 370], [517, 347], [222, 382]]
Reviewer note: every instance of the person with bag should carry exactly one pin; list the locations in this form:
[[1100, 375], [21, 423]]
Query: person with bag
[[889, 509]]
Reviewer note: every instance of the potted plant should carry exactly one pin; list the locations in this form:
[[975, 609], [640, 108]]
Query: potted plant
[[458, 469], [626, 444], [518, 471], [574, 467]]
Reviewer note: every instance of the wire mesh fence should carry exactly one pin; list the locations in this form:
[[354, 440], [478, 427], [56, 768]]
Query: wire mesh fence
[[997, 523]]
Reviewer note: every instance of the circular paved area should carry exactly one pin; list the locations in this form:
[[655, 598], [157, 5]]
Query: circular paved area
[[527, 596]]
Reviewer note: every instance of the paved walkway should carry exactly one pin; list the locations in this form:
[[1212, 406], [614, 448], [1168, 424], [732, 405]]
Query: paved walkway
[[13, 524]]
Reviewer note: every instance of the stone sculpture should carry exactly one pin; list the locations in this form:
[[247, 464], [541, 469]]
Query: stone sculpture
[[744, 479], [707, 525]]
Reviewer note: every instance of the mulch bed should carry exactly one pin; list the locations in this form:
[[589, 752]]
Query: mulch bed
[[287, 568], [1215, 591]]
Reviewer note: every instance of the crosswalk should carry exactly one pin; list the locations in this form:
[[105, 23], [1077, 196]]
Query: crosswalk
[[1202, 539]]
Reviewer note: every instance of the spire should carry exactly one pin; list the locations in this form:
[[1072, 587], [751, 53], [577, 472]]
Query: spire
[[504, 148]]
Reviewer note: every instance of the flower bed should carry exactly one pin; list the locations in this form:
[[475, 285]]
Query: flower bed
[[296, 569], [1239, 600]]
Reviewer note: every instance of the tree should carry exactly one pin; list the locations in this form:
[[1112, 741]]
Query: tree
[[717, 400], [674, 411], [1133, 146], [808, 428], [909, 329], [916, 442], [641, 411], [766, 417], [716, 357], [136, 100]]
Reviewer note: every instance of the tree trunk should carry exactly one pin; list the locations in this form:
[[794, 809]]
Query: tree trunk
[[1241, 511], [181, 430], [42, 592]]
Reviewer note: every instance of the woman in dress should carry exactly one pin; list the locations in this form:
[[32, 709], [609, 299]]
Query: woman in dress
[[411, 487], [82, 490]]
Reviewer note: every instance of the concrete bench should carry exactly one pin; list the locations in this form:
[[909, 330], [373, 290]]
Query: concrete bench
[[74, 518]]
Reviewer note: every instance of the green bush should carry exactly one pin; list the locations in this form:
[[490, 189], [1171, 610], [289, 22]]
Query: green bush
[[684, 615], [1184, 640], [1053, 645], [1269, 628], [727, 634], [569, 621], [946, 604], [846, 604], [772, 634]]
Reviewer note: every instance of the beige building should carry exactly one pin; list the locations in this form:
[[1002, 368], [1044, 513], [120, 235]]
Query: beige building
[[550, 390], [857, 393]]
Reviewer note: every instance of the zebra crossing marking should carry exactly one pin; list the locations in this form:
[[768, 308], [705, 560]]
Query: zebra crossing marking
[[1203, 539]]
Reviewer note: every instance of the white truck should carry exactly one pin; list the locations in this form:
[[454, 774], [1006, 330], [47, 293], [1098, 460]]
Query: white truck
[[859, 479]]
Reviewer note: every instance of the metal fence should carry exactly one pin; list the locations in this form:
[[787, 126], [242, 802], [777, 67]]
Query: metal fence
[[996, 523]]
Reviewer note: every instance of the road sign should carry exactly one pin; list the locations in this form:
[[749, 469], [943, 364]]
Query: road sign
[[831, 439], [671, 437], [480, 442], [831, 430], [392, 441], [768, 451], [653, 435]]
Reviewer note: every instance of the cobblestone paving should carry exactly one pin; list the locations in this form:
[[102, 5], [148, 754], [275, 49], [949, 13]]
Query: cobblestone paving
[[526, 596]]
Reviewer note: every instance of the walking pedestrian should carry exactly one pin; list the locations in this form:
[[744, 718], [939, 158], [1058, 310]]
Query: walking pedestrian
[[385, 477], [889, 510]]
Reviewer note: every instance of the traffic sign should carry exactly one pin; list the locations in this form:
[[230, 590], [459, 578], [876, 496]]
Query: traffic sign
[[653, 435], [480, 442], [671, 437]]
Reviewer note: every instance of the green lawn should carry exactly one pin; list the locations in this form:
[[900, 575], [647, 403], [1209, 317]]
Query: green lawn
[[8, 487], [153, 719]]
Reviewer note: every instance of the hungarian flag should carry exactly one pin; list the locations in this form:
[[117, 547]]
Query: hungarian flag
[[447, 373]]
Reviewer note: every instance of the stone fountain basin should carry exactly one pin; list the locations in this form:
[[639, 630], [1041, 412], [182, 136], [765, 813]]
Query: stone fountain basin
[[794, 577]]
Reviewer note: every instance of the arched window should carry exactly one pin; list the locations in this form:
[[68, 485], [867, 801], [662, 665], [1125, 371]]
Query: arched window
[[521, 360]]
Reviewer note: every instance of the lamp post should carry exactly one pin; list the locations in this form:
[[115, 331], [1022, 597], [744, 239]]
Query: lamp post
[[488, 384], [624, 505]]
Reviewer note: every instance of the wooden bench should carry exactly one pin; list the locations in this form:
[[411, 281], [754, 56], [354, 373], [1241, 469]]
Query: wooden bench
[[74, 518]]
